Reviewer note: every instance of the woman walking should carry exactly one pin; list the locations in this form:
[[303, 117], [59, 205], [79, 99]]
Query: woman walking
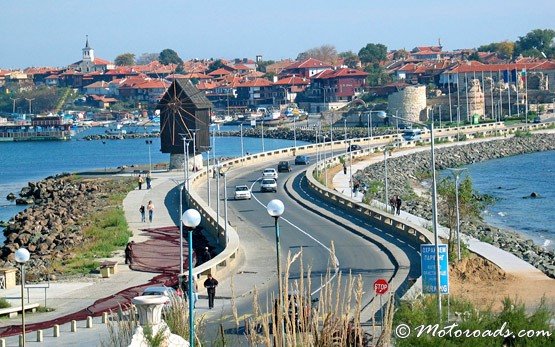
[[142, 211], [150, 208]]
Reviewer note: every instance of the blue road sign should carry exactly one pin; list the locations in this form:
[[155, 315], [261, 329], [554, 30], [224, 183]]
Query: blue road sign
[[428, 261]]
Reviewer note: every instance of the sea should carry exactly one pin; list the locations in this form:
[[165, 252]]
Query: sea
[[21, 162], [510, 180]]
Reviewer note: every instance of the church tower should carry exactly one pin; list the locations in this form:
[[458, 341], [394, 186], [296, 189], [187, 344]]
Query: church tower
[[88, 53]]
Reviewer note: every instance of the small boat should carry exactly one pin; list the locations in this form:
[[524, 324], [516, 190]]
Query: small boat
[[118, 131]]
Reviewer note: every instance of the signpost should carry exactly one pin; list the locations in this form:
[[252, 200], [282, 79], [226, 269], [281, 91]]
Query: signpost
[[380, 288], [428, 262]]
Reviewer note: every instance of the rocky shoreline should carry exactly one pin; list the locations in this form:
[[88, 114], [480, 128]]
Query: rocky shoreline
[[284, 133], [411, 169], [52, 226]]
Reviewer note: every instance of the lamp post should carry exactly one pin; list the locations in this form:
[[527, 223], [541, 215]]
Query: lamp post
[[351, 171], [191, 219], [275, 209], [262, 130], [217, 168], [14, 100], [207, 148], [434, 209], [294, 131], [385, 201], [223, 171], [21, 257], [242, 147], [148, 143], [457, 174], [30, 100], [181, 233]]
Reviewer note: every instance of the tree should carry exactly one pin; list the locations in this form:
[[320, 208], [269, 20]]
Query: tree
[[474, 56], [325, 53], [146, 58], [350, 59], [504, 49], [169, 56], [400, 54], [215, 65], [125, 59], [535, 43], [261, 65], [373, 53], [376, 75]]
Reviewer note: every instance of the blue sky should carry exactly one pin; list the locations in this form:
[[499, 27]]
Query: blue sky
[[52, 33]]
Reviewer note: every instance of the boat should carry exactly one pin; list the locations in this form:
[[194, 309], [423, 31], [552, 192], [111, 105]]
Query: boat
[[40, 128], [270, 115], [117, 131]]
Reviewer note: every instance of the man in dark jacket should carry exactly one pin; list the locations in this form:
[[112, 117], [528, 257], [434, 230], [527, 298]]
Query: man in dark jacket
[[210, 284]]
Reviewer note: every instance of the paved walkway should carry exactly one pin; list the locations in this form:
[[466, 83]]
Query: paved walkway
[[505, 260]]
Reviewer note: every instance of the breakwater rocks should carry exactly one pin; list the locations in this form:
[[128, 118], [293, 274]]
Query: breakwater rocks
[[120, 136], [307, 135], [411, 170], [52, 226]]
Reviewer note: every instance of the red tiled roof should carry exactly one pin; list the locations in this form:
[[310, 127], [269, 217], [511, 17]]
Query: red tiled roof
[[154, 84], [344, 72], [479, 67], [100, 61], [308, 63], [197, 75], [206, 85], [99, 84], [219, 72], [292, 80], [51, 77], [258, 82], [242, 67]]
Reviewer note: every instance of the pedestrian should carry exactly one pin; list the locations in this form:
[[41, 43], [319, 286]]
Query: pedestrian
[[185, 289], [393, 204], [344, 168], [150, 208], [398, 203], [142, 211], [148, 180], [140, 180], [206, 256], [210, 284], [129, 253]]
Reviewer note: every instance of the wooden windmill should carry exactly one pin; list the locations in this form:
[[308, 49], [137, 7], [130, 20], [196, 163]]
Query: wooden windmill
[[184, 110]]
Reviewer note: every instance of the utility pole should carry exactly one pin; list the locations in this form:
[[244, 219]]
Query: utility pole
[[14, 100], [30, 103]]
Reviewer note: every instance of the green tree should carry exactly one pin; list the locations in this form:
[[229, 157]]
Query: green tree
[[146, 58], [169, 56], [215, 65], [376, 75], [535, 43], [474, 56], [261, 65], [504, 49], [373, 53], [350, 59], [125, 59], [400, 54]]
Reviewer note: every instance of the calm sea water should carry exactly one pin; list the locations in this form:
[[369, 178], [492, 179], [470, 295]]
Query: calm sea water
[[21, 162], [511, 180]]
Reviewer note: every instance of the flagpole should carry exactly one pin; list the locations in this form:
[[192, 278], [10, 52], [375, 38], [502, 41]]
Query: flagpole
[[516, 85], [449, 93], [467, 101], [500, 95], [491, 95], [526, 86], [509, 91]]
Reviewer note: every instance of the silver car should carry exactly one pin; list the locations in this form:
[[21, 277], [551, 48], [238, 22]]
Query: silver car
[[242, 192], [270, 173], [268, 185]]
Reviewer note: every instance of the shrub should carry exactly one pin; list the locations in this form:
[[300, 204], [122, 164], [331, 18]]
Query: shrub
[[4, 303]]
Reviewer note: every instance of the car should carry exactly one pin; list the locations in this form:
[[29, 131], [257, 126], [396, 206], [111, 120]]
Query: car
[[168, 292], [284, 166], [242, 192], [353, 148], [537, 120], [270, 173], [302, 160], [268, 185]]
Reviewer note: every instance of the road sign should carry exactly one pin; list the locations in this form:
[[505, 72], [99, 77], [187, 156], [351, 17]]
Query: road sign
[[381, 286], [428, 262]]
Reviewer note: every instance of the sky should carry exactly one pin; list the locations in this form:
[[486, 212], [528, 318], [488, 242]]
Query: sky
[[52, 32]]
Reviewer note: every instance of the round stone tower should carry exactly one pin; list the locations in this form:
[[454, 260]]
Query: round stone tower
[[408, 103]]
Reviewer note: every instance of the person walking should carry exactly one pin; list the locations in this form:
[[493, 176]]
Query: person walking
[[140, 180], [210, 284], [185, 289], [150, 208], [393, 204], [206, 255], [148, 180], [344, 168], [398, 203], [142, 211], [129, 253]]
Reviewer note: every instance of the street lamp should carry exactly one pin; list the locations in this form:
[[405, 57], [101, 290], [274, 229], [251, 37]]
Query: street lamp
[[262, 130], [207, 148], [223, 171], [148, 143], [385, 199], [191, 219], [275, 209], [242, 146], [21, 257], [457, 174], [434, 207]]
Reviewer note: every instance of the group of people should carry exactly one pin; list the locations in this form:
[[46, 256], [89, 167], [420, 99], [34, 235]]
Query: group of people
[[141, 180], [210, 284], [150, 209], [395, 202]]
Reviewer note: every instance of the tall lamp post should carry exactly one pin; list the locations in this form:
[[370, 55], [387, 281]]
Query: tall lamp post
[[207, 148], [457, 173], [385, 199], [148, 143], [434, 208], [191, 220], [242, 146], [21, 257], [275, 209]]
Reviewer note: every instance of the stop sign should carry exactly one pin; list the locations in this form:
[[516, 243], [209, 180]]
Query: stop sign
[[381, 286]]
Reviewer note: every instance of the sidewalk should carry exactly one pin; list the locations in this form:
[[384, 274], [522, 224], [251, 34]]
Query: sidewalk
[[505, 260]]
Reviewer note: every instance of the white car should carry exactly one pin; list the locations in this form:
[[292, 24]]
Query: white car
[[168, 292], [270, 173], [242, 192], [268, 185]]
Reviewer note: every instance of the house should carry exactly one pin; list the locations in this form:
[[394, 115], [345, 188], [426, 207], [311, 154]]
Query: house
[[152, 90], [427, 53], [341, 85], [286, 89], [101, 101], [97, 88], [255, 92], [277, 67], [305, 68]]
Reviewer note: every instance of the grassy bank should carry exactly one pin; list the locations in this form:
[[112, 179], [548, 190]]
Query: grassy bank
[[105, 230]]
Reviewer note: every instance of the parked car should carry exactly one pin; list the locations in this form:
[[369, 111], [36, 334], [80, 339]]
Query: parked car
[[270, 173], [302, 160], [168, 292], [284, 166], [353, 148], [268, 185], [242, 192]]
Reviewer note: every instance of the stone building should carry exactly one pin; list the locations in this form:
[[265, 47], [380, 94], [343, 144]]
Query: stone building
[[408, 103]]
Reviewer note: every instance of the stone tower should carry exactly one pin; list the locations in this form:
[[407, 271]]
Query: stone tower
[[408, 103], [475, 99]]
